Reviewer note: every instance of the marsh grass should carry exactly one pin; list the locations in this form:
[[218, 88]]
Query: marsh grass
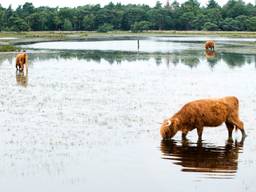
[[7, 48], [82, 34]]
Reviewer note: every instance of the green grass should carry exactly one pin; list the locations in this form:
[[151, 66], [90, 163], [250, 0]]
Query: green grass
[[203, 33], [84, 34], [7, 48]]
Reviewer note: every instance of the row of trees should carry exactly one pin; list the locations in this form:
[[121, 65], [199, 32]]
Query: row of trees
[[235, 15]]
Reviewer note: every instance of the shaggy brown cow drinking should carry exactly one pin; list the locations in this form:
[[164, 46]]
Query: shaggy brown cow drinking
[[209, 45], [204, 113]]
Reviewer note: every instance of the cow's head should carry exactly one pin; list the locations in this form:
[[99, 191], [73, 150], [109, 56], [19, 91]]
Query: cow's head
[[169, 128]]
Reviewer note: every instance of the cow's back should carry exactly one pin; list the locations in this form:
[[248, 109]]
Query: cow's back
[[206, 112], [232, 102]]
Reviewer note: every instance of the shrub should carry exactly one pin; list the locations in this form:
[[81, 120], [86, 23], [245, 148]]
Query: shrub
[[208, 26], [140, 26], [105, 28]]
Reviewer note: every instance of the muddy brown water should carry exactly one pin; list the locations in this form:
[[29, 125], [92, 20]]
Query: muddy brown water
[[89, 121]]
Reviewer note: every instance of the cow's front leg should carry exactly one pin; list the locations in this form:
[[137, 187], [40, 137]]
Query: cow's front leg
[[184, 134]]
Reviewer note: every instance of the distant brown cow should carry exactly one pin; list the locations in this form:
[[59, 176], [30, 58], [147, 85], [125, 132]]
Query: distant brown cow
[[21, 61], [200, 113], [209, 45]]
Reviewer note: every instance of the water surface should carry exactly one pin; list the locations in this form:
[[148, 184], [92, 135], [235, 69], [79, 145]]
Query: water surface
[[149, 45], [89, 121]]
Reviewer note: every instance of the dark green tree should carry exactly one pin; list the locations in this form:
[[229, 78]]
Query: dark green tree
[[252, 24], [67, 26], [105, 28], [88, 23], [234, 15], [208, 26], [18, 24], [212, 4], [141, 26]]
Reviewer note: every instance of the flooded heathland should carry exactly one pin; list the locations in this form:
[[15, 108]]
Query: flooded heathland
[[86, 117]]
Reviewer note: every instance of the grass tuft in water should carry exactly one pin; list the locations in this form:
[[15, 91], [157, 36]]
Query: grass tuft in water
[[7, 48]]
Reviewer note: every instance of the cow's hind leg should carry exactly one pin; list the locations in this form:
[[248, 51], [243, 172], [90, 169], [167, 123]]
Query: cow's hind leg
[[230, 128]]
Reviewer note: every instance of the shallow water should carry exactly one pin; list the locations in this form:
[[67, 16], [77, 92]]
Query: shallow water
[[89, 121], [7, 38]]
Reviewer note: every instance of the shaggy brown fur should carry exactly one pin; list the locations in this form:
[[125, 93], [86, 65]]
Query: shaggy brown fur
[[209, 45], [21, 61], [204, 113]]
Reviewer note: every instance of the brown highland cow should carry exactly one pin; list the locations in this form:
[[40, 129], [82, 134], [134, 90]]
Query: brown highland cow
[[209, 45], [21, 61], [204, 113]]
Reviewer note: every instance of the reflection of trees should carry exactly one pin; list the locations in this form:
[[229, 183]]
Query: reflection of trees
[[6, 56], [213, 61], [203, 157], [191, 58], [96, 56], [234, 59], [191, 61], [158, 60], [175, 59]]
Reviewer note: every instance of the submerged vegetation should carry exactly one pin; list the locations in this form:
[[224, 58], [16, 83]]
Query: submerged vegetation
[[235, 15]]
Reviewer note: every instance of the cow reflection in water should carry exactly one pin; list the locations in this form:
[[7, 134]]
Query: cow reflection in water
[[203, 157], [211, 57], [209, 54], [22, 78]]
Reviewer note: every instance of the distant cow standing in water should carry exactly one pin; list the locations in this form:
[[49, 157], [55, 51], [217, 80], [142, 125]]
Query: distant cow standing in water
[[209, 45], [200, 113], [21, 61]]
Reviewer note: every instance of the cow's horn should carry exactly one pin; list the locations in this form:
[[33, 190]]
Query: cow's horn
[[169, 122]]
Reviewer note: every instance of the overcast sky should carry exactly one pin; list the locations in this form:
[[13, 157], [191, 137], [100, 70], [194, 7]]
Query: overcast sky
[[74, 3]]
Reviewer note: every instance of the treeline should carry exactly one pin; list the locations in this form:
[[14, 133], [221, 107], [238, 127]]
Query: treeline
[[235, 15]]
